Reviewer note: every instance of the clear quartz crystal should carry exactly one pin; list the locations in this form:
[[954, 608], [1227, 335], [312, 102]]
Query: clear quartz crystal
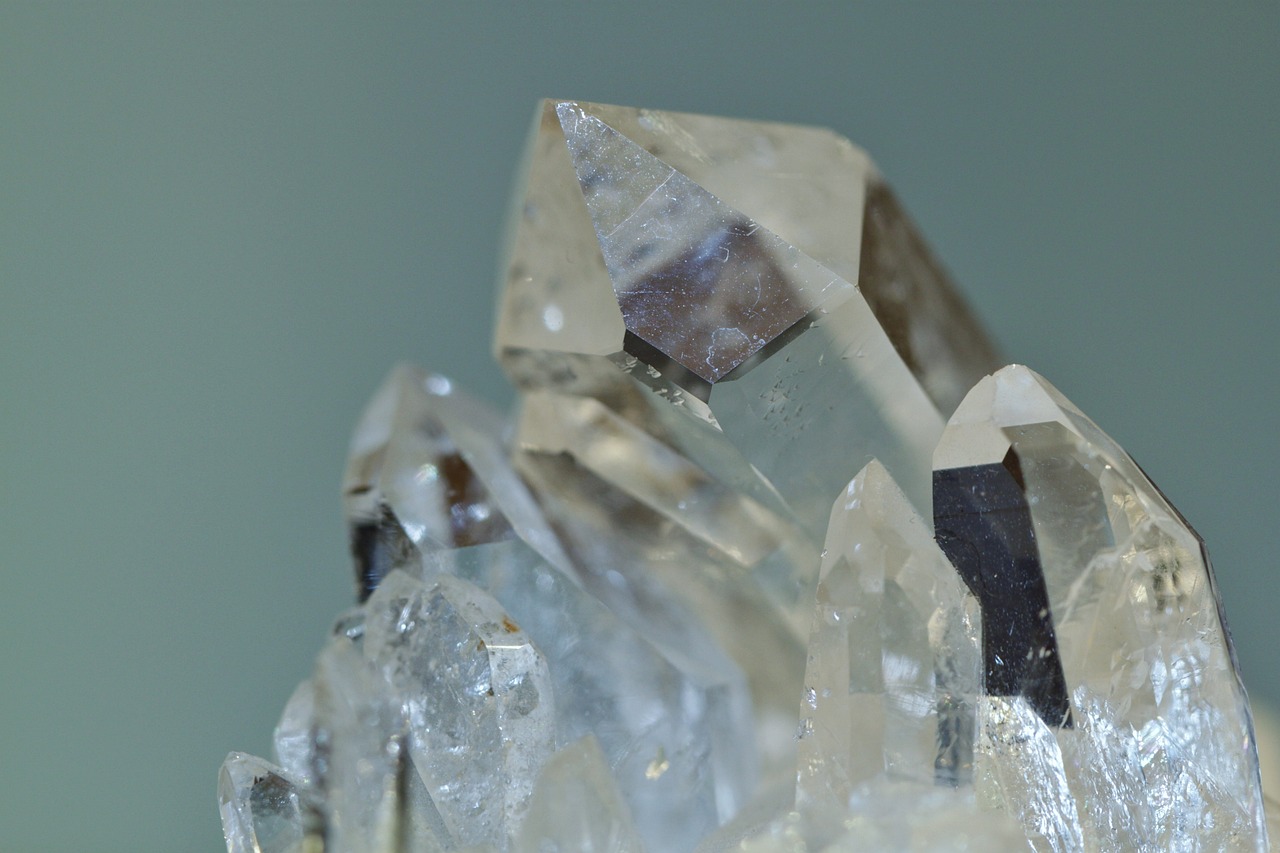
[[893, 672], [576, 807], [692, 246], [629, 618], [1103, 635], [262, 808]]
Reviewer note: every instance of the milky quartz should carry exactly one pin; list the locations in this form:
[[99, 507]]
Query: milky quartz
[[762, 559]]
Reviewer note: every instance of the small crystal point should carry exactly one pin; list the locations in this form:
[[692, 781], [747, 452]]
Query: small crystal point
[[412, 474], [428, 470], [263, 808], [1101, 618]]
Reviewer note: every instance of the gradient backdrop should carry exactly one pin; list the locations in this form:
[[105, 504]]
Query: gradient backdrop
[[220, 225]]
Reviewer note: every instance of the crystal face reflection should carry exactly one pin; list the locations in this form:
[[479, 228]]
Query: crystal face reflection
[[721, 258], [983, 525], [762, 560]]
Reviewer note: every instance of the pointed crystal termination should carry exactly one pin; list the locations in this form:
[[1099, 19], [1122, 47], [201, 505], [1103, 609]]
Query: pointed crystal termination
[[480, 707], [646, 710], [687, 250], [263, 809], [412, 474], [894, 670], [1107, 605]]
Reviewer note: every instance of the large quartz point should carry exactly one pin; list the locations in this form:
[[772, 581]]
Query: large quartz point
[[764, 269], [1115, 717]]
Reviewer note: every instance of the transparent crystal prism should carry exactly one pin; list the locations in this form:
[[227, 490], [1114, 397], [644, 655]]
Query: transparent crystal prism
[[1100, 619], [894, 668]]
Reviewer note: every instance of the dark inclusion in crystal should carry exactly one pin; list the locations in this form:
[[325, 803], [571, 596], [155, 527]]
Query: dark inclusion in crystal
[[381, 544], [377, 547], [983, 525]]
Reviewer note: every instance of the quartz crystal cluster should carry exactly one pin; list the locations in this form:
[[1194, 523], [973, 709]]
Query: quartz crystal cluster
[[773, 555]]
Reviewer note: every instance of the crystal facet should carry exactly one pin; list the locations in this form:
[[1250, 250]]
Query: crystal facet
[[893, 680], [688, 249], [1107, 593], [630, 617], [262, 810]]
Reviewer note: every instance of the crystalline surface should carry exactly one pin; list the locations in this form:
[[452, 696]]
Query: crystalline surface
[[672, 738], [472, 685], [724, 256], [576, 807], [1090, 581], [884, 815], [894, 670], [262, 811], [628, 618]]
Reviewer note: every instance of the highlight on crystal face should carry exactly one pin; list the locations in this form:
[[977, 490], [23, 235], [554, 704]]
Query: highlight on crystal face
[[772, 554]]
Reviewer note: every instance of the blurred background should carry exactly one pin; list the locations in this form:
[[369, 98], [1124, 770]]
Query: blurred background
[[221, 224]]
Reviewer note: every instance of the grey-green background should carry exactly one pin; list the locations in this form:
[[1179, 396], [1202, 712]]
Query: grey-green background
[[220, 224]]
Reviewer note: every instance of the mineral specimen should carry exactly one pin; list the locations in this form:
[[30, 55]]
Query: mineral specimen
[[631, 619]]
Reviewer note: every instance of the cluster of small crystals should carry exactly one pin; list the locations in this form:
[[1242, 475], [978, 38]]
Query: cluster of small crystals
[[631, 619]]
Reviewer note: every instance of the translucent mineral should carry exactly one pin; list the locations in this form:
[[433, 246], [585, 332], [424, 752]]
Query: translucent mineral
[[1107, 663], [723, 261], [471, 683], [262, 808], [893, 676], [762, 560], [673, 737], [576, 807]]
